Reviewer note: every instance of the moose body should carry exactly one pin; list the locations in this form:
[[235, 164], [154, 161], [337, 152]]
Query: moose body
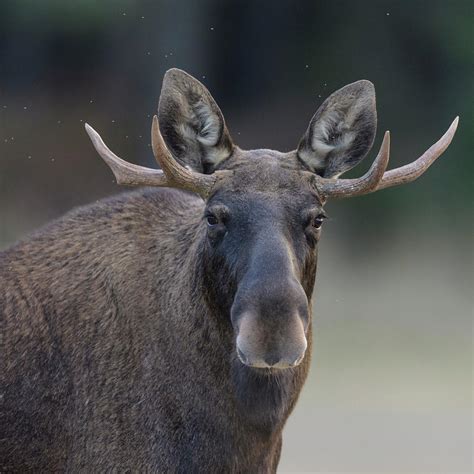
[[169, 330], [101, 370]]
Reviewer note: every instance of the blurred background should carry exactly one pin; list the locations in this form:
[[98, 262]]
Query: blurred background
[[390, 388]]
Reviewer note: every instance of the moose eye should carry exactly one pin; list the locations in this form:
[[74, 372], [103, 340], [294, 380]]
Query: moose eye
[[212, 220], [318, 221], [216, 218]]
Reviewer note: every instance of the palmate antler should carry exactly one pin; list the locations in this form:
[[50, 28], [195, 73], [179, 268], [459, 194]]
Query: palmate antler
[[173, 174]]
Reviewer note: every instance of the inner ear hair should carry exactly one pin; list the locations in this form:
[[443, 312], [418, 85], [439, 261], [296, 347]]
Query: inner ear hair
[[341, 131], [191, 122], [332, 132], [210, 128]]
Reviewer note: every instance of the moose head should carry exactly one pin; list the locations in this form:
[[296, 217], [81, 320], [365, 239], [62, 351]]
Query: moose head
[[264, 209]]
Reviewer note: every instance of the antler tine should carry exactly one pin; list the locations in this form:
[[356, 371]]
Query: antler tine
[[124, 172], [363, 185], [172, 174], [377, 178], [412, 171], [178, 175]]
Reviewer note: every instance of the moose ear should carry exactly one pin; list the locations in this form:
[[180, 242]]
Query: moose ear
[[341, 132], [191, 123]]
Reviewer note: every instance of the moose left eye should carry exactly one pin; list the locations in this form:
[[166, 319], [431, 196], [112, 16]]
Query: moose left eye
[[318, 221]]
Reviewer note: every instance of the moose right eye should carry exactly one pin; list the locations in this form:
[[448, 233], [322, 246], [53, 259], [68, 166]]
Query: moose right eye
[[212, 221]]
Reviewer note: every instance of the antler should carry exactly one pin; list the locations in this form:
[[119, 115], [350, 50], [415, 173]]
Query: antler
[[363, 185], [376, 178], [172, 174], [408, 173]]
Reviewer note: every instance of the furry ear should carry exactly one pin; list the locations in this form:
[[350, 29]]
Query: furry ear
[[341, 132], [191, 123]]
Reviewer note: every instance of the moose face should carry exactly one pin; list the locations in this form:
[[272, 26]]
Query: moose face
[[264, 217], [263, 226], [264, 209]]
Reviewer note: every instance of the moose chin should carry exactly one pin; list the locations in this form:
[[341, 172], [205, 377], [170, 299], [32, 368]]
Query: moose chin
[[169, 329]]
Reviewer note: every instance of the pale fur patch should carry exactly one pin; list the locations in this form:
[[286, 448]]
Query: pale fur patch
[[210, 130], [331, 132], [331, 140], [208, 135]]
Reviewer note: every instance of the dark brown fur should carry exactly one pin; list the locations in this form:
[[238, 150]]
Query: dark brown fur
[[119, 321], [106, 366]]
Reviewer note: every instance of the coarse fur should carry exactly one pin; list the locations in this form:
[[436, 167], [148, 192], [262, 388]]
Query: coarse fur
[[109, 367], [121, 321]]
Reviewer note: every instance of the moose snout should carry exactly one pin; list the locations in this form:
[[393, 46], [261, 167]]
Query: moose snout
[[270, 311], [276, 359], [271, 330]]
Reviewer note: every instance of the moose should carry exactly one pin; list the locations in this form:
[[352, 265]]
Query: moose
[[169, 329]]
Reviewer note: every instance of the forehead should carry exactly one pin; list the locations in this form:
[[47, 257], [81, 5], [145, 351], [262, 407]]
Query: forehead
[[268, 176]]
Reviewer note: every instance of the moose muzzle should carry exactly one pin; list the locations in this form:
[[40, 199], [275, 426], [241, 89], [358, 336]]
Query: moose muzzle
[[271, 318]]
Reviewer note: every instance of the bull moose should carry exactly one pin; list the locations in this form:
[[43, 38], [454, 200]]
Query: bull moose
[[169, 329]]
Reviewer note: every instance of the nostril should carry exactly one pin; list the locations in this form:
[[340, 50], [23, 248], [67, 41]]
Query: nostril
[[297, 361], [272, 359], [241, 356]]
